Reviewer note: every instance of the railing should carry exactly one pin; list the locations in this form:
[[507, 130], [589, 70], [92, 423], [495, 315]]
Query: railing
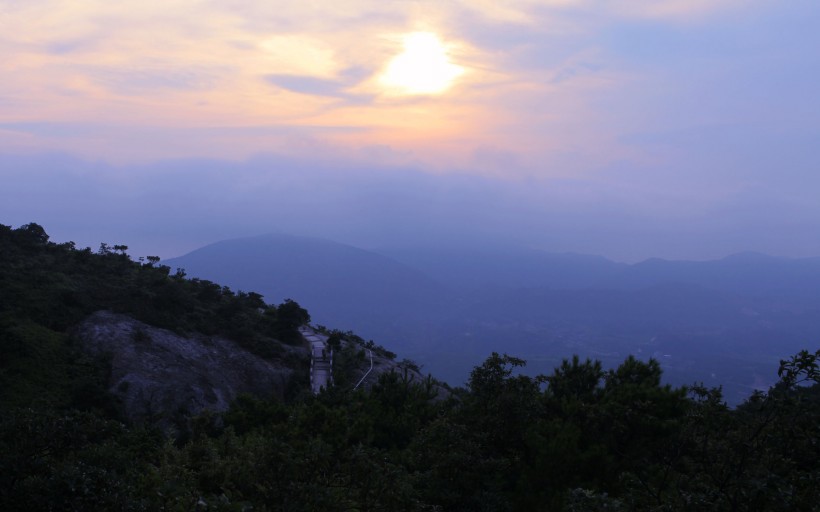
[[368, 371]]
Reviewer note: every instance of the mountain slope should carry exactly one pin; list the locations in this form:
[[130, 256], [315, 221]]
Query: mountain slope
[[492, 264], [475, 265], [723, 322], [575, 438], [744, 273], [342, 286], [47, 290]]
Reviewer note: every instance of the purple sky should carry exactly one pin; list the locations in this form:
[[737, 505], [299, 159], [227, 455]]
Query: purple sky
[[671, 128]]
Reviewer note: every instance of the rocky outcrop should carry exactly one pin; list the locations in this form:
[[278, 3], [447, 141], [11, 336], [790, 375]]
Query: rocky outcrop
[[162, 377]]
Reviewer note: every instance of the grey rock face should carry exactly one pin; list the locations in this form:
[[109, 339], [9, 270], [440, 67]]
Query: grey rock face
[[161, 376]]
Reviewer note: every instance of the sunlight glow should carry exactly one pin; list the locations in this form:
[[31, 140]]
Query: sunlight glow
[[422, 68]]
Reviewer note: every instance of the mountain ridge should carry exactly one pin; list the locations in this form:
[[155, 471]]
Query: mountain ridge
[[339, 283], [547, 305]]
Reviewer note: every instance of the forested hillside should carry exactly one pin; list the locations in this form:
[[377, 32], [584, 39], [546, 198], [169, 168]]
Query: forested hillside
[[46, 289], [578, 438]]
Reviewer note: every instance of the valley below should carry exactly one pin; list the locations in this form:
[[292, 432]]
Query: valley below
[[722, 323]]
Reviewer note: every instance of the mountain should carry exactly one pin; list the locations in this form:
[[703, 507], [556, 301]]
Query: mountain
[[746, 273], [495, 264], [124, 386], [98, 331], [77, 326], [475, 264], [722, 322], [342, 286]]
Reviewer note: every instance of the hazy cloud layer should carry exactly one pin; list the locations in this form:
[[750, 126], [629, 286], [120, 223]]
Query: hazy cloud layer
[[631, 128], [172, 207]]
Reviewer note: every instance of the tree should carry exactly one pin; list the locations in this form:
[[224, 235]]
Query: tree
[[576, 380], [290, 315], [34, 233]]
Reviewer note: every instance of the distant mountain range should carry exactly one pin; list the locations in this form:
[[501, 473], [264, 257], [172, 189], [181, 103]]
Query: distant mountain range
[[343, 286], [747, 272], [723, 322]]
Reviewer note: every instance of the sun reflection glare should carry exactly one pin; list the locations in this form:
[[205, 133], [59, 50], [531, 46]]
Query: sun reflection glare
[[423, 67]]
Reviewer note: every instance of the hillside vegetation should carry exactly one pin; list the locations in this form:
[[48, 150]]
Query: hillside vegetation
[[48, 288], [580, 438]]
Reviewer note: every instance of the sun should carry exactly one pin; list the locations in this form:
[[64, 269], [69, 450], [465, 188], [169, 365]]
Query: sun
[[422, 68]]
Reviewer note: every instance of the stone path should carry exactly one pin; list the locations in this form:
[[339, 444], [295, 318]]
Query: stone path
[[321, 359]]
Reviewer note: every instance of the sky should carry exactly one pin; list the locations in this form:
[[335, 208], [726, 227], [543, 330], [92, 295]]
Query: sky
[[682, 129]]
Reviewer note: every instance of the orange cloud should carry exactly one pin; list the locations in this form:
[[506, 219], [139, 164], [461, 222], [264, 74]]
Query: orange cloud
[[194, 70]]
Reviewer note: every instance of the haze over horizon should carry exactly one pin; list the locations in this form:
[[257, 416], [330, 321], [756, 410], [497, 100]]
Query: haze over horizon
[[629, 129]]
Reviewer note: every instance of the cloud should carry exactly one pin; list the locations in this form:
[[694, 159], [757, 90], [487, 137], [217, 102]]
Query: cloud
[[174, 206], [650, 119], [69, 46], [157, 78], [675, 10], [320, 87], [46, 129]]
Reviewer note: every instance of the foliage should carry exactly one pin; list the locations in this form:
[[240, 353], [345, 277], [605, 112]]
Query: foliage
[[48, 288], [580, 438], [506, 443]]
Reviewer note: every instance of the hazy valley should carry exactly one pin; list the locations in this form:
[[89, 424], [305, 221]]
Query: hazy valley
[[722, 322]]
